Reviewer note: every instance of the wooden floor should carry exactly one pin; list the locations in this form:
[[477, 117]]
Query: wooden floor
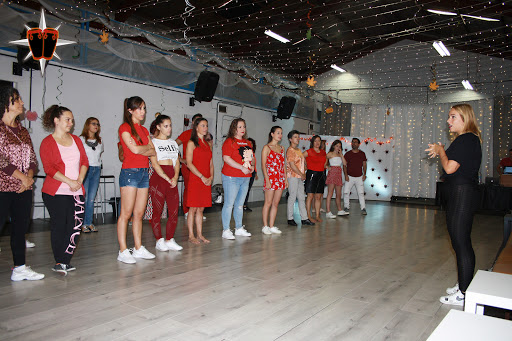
[[354, 278]]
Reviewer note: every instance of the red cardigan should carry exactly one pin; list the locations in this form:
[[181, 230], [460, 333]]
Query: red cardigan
[[52, 162]]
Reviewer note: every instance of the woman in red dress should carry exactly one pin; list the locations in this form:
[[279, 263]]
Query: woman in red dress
[[199, 190], [274, 171]]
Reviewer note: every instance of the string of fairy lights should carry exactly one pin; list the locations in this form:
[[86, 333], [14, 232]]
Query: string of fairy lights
[[274, 56]]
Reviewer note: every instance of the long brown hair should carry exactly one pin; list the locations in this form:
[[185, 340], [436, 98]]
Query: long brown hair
[[132, 103], [468, 116], [272, 131], [193, 136], [233, 127], [85, 131]]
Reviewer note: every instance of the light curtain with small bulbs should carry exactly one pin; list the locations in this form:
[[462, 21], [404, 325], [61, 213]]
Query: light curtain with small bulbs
[[413, 127]]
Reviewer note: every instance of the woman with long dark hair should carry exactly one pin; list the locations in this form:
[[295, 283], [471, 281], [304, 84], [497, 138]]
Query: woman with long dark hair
[[461, 163], [17, 164], [65, 164], [200, 164], [134, 178], [274, 171], [91, 139], [254, 175], [163, 183], [236, 174], [315, 176], [334, 180]]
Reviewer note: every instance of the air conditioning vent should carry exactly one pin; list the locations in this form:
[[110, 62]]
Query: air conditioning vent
[[223, 108]]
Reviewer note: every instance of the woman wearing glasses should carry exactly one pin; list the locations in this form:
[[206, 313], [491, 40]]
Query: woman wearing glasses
[[91, 139]]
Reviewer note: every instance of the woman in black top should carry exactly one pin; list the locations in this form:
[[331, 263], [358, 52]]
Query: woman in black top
[[461, 163]]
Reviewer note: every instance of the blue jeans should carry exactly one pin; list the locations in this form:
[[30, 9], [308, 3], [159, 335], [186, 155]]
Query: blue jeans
[[134, 177], [235, 190], [91, 183]]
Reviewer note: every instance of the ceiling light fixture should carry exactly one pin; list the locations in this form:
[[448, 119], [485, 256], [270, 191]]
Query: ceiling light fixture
[[337, 68], [440, 12], [441, 49], [462, 15], [467, 85], [479, 17], [300, 41], [276, 36], [224, 4]]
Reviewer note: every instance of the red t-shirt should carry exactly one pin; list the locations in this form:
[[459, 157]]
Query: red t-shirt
[[184, 138], [234, 148], [316, 161], [132, 160], [506, 162], [355, 163]]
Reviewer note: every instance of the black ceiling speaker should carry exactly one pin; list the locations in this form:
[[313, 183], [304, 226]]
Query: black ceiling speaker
[[23, 51], [205, 86], [285, 108]]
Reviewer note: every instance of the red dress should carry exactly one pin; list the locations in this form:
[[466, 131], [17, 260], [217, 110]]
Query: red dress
[[198, 194], [275, 170]]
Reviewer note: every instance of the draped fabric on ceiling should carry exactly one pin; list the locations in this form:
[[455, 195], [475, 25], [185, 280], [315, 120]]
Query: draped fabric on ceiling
[[413, 127]]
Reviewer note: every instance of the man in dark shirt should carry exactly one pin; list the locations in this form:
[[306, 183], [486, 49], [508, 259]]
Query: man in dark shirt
[[355, 174], [505, 162]]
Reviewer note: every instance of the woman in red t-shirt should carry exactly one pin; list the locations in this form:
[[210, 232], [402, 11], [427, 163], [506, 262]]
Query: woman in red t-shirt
[[200, 165], [315, 176], [134, 178], [238, 158]]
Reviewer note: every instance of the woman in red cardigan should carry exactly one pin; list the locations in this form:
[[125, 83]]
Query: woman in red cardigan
[[65, 164]]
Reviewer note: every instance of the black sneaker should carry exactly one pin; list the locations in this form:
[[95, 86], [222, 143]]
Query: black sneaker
[[292, 222], [307, 222], [69, 267], [60, 268], [246, 208]]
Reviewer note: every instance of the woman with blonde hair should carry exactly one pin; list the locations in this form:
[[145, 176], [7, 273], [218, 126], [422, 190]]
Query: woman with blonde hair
[[91, 139], [461, 163]]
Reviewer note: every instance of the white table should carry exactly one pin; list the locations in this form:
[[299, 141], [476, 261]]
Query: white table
[[458, 325], [488, 288]]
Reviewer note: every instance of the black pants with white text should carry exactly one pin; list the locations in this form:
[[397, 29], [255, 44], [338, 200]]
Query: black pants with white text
[[66, 219]]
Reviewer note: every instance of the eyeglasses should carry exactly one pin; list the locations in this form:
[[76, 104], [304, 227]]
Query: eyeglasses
[[95, 124]]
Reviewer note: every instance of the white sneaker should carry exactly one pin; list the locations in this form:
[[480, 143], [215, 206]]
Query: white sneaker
[[186, 216], [29, 244], [456, 298], [161, 245], [242, 232], [142, 253], [172, 245], [275, 230], [126, 257], [343, 213], [330, 215], [266, 230], [322, 210], [452, 290], [25, 272], [227, 234], [204, 218]]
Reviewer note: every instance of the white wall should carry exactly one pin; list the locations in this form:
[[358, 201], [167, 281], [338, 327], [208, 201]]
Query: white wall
[[88, 94]]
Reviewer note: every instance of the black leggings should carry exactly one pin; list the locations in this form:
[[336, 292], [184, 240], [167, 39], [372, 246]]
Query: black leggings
[[66, 219], [460, 209], [18, 206]]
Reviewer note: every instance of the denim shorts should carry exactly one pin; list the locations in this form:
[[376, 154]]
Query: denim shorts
[[134, 177]]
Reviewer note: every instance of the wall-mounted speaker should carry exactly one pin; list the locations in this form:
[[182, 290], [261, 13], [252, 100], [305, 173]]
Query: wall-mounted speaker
[[285, 108], [205, 86]]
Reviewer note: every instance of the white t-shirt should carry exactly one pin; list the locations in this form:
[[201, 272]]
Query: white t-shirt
[[94, 156], [166, 150]]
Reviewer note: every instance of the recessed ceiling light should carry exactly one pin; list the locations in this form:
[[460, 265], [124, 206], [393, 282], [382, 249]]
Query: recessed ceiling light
[[440, 12]]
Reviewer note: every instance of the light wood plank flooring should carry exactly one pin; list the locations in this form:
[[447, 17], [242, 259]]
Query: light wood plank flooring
[[354, 278]]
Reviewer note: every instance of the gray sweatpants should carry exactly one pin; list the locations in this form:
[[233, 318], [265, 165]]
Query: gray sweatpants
[[296, 191]]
